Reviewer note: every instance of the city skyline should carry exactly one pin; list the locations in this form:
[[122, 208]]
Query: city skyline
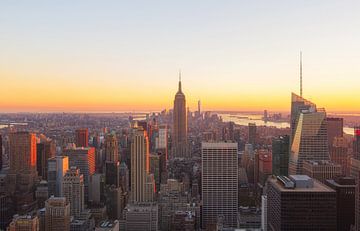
[[93, 57]]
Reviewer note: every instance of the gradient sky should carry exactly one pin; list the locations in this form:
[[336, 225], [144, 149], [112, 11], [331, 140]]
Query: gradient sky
[[88, 55]]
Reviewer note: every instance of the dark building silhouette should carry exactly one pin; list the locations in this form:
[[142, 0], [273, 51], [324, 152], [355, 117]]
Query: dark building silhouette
[[280, 155], [300, 203], [345, 201]]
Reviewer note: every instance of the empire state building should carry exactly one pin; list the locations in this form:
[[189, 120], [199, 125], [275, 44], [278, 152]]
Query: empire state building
[[179, 124]]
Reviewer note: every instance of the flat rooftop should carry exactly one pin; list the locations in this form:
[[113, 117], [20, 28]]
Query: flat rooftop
[[317, 186]]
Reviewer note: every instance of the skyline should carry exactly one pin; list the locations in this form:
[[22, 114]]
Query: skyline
[[89, 57]]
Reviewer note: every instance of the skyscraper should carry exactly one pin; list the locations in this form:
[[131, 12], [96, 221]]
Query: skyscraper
[[84, 159], [82, 137], [280, 155], [252, 134], [298, 104], [300, 203], [57, 214], [57, 167], [1, 152], [22, 161], [345, 201], [357, 143], [45, 149], [309, 141], [142, 183], [334, 129], [180, 124], [111, 148], [73, 190], [219, 183]]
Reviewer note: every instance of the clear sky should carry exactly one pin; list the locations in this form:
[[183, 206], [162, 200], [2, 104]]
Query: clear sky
[[107, 55]]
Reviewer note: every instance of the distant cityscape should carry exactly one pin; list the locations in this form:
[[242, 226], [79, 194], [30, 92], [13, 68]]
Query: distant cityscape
[[180, 170]]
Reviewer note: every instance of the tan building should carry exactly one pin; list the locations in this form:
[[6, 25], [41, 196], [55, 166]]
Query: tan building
[[73, 190], [57, 214], [179, 124], [24, 223], [111, 148], [142, 182], [322, 170]]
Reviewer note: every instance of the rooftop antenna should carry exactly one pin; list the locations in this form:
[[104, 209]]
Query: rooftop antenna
[[301, 87]]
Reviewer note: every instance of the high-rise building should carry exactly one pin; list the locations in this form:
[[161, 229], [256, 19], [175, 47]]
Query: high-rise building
[[6, 210], [321, 170], [345, 201], [24, 223], [57, 214], [298, 104], [334, 129], [162, 140], [142, 183], [73, 190], [357, 143], [1, 153], [252, 133], [265, 165], [22, 161], [141, 217], [180, 124], [300, 203], [155, 169], [84, 159], [219, 183], [339, 154], [45, 149], [42, 193], [355, 172], [57, 167], [280, 155], [111, 148], [82, 137], [309, 141], [264, 209], [114, 202]]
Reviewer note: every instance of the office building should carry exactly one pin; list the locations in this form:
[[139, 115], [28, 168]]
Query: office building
[[141, 217], [309, 141], [73, 190], [179, 138], [252, 134], [280, 155], [24, 223], [265, 165], [84, 159], [57, 167], [357, 143], [298, 104], [82, 137], [219, 183], [6, 210], [321, 170], [142, 183], [345, 201], [57, 214], [111, 148], [45, 150], [334, 128], [42, 193], [264, 209], [1, 153], [300, 203], [339, 154], [23, 172]]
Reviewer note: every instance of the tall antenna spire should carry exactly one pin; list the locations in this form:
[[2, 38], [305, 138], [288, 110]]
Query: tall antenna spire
[[301, 87], [179, 80]]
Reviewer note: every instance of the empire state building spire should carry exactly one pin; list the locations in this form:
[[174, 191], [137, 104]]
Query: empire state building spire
[[180, 123], [179, 90]]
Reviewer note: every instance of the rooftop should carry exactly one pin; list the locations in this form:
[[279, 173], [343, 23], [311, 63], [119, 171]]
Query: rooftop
[[302, 183]]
